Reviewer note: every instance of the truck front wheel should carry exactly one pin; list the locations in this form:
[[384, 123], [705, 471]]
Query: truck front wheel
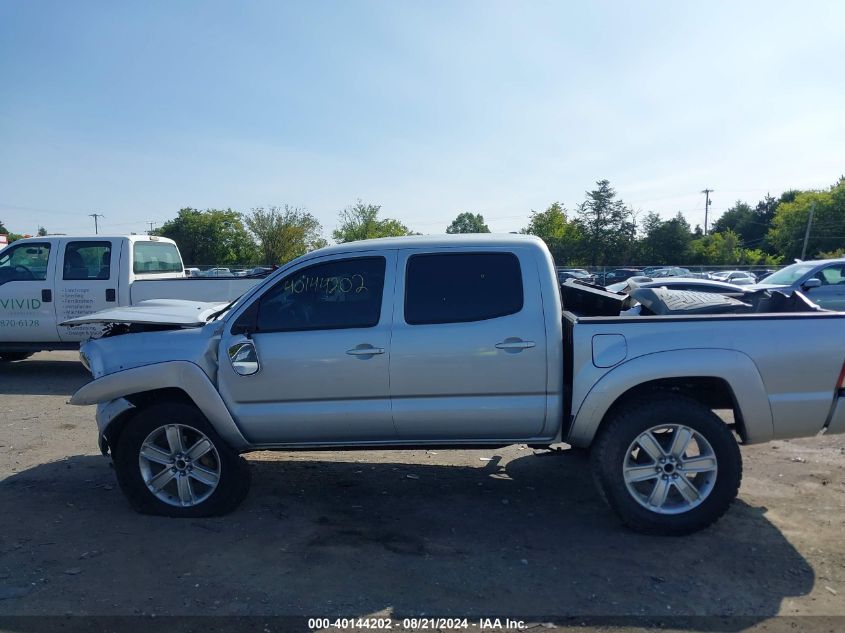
[[170, 461], [667, 465]]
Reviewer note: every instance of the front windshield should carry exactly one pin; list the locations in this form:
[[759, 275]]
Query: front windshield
[[789, 275]]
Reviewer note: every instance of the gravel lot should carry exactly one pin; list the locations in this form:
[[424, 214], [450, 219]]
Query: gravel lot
[[509, 532]]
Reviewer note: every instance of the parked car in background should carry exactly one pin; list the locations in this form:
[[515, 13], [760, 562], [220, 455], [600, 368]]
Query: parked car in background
[[193, 272], [739, 277], [217, 272], [620, 274], [575, 273], [680, 283], [670, 272], [822, 281]]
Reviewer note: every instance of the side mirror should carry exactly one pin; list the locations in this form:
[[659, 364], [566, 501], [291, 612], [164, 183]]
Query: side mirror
[[244, 358], [811, 283]]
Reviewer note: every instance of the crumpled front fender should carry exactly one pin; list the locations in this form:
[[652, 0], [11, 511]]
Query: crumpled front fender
[[182, 375]]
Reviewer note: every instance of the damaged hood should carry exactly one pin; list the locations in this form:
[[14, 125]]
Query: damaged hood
[[197, 345], [174, 312]]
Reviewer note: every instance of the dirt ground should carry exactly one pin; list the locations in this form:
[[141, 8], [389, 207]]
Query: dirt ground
[[474, 533]]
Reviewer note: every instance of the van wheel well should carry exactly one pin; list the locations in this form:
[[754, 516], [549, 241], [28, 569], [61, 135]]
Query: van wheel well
[[713, 393], [141, 400]]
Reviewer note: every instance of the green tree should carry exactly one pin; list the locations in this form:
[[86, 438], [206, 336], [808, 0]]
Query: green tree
[[42, 231], [361, 222], [10, 237], [827, 232], [606, 222], [724, 249], [561, 235], [213, 236], [284, 233], [665, 241], [468, 223]]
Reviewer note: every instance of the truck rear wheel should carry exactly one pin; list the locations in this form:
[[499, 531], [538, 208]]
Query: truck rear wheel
[[170, 461], [667, 465], [10, 357]]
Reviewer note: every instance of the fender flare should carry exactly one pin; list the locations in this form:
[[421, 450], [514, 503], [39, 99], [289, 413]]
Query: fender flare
[[180, 374], [736, 368]]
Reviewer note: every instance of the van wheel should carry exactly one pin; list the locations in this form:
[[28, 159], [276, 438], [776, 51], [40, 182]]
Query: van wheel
[[10, 357], [667, 465], [170, 461]]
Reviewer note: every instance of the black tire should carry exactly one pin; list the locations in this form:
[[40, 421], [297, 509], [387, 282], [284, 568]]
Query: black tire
[[234, 478], [11, 357], [610, 451]]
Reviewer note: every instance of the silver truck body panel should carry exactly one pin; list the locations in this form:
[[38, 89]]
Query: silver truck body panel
[[183, 375]]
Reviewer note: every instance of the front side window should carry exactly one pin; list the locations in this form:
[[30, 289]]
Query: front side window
[[156, 257], [24, 262], [87, 260], [343, 293], [832, 275], [462, 287]]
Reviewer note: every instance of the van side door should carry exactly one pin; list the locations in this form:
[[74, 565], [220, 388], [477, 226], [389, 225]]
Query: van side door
[[468, 353], [86, 282], [27, 271]]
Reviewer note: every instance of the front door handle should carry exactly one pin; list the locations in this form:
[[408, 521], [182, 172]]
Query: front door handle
[[515, 344], [365, 350]]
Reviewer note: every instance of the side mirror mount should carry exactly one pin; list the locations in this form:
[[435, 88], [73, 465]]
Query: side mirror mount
[[813, 282], [244, 358], [247, 321]]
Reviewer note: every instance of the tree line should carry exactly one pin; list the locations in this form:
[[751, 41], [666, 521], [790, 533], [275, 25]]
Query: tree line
[[600, 231]]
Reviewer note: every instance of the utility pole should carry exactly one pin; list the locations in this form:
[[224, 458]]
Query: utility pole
[[707, 193], [95, 216], [807, 232], [152, 224]]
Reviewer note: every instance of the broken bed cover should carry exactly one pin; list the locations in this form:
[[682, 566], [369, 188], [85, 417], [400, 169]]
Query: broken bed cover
[[587, 300]]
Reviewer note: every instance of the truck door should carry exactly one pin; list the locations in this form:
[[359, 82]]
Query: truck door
[[26, 296], [308, 360], [468, 352], [86, 283]]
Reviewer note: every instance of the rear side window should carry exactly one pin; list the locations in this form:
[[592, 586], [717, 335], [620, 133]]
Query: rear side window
[[87, 260], [156, 257], [343, 293], [461, 287]]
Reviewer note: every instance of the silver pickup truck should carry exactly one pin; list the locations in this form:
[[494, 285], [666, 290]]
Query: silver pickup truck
[[458, 341]]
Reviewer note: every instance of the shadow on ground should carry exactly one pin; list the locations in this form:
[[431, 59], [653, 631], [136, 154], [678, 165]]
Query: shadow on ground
[[528, 539], [42, 377]]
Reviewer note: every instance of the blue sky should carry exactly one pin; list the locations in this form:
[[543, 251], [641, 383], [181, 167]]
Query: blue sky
[[134, 110]]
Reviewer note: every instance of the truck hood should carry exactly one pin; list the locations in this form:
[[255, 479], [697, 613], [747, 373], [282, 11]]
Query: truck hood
[[197, 345], [173, 312]]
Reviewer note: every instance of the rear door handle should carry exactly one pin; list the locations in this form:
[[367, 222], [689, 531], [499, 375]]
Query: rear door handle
[[365, 350], [515, 344]]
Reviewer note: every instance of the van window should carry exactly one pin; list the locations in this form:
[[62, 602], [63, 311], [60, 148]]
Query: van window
[[24, 262], [156, 257], [461, 287], [343, 293], [87, 260]]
